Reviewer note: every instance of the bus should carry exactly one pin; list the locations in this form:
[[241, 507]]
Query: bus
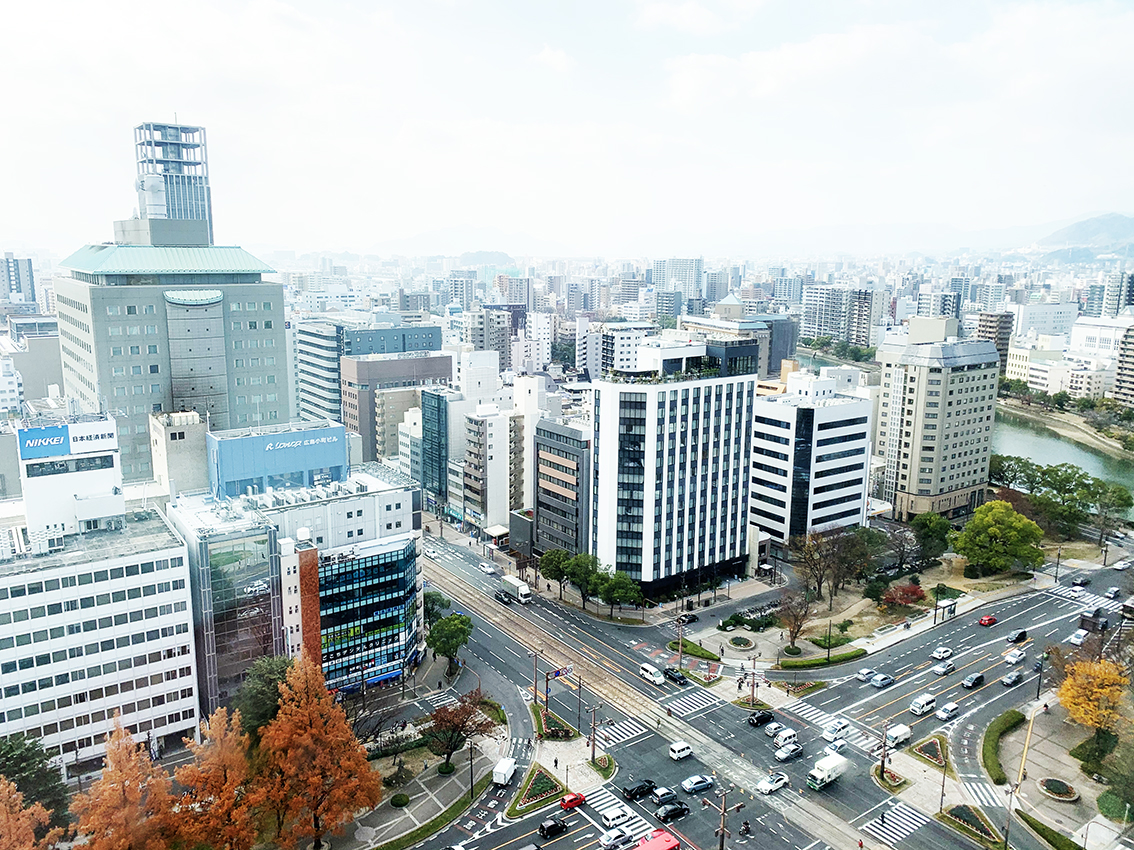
[[1128, 609], [659, 839]]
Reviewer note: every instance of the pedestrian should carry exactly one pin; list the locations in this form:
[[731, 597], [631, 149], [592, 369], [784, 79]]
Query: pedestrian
[[439, 684], [659, 723], [556, 764], [781, 635], [883, 818], [860, 844]]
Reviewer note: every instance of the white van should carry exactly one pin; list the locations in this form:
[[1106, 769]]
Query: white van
[[785, 737], [923, 704], [679, 750], [651, 674]]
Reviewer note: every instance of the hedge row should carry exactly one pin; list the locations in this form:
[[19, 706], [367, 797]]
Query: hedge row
[[800, 663], [990, 746], [1056, 839], [690, 648]]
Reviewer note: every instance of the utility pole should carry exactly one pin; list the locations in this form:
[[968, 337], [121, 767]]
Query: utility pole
[[592, 711], [470, 772], [579, 716], [534, 656], [1039, 678], [882, 775], [828, 640], [723, 809], [752, 696], [680, 643], [1058, 558]]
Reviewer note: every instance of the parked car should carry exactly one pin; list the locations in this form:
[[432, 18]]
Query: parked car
[[1015, 656], [572, 800], [987, 620], [675, 676], [941, 653], [501, 596], [661, 796], [944, 668], [973, 680], [672, 811], [788, 752], [552, 827], [947, 711], [639, 789], [697, 782], [759, 718], [773, 729], [1013, 678], [882, 680], [772, 782], [865, 674], [836, 748]]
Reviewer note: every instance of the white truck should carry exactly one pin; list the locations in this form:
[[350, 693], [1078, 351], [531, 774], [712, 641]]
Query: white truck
[[517, 589], [502, 773], [898, 736], [826, 771]]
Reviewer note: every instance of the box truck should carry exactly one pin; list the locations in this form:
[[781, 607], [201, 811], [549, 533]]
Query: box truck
[[898, 736], [502, 773], [826, 771], [517, 589]]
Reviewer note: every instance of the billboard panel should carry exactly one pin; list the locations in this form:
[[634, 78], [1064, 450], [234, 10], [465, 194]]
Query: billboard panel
[[93, 436], [51, 441]]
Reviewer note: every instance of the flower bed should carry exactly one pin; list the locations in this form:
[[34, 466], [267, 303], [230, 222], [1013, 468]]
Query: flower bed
[[1057, 789], [971, 819], [740, 642], [891, 781], [541, 786], [930, 750], [603, 765], [799, 689]]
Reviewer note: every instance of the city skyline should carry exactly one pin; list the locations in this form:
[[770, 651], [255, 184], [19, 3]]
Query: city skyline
[[641, 128]]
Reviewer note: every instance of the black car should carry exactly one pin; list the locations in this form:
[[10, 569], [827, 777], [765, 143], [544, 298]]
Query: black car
[[686, 619], [759, 718], [501, 596], [1018, 636], [552, 827], [639, 789], [675, 676], [1080, 582], [973, 680], [1013, 678], [672, 811]]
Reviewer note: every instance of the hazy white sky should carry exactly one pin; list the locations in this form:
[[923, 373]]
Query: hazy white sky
[[617, 126]]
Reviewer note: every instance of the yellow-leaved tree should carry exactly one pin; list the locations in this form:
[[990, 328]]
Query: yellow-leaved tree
[[1092, 691], [18, 825]]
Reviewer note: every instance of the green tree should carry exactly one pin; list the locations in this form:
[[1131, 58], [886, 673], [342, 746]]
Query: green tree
[[1003, 470], [619, 589], [1061, 497], [448, 635], [1030, 474], [1061, 399], [258, 699], [932, 534], [583, 571], [436, 603], [1109, 502], [1082, 405], [667, 322], [553, 566], [25, 763], [998, 539]]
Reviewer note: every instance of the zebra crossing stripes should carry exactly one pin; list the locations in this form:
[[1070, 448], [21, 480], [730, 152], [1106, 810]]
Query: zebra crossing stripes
[[692, 701], [854, 736], [1087, 600], [440, 699], [895, 824], [617, 733], [984, 794], [603, 800]]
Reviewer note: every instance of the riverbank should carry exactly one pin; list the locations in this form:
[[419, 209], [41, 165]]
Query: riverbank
[[1070, 426]]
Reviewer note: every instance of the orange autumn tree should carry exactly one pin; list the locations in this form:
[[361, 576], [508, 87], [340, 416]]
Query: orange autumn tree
[[128, 807], [314, 773], [18, 825], [214, 809]]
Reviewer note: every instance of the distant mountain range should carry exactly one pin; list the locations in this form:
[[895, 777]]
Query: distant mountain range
[[1112, 233]]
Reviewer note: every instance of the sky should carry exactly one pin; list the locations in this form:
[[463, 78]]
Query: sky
[[616, 128]]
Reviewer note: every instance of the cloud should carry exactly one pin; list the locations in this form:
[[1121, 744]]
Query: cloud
[[688, 17], [555, 59]]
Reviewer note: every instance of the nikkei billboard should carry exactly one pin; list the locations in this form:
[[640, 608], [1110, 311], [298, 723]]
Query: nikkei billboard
[[73, 438]]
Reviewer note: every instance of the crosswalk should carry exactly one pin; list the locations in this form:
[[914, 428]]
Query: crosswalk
[[616, 733], [855, 736], [1086, 600], [442, 698], [603, 799], [896, 823], [985, 794], [693, 700]]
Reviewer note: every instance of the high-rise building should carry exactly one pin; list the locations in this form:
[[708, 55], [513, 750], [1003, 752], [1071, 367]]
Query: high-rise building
[[601, 347], [173, 173], [1118, 293], [684, 276], [996, 327], [825, 312], [462, 288], [935, 422], [1046, 318], [562, 450], [487, 329], [17, 281], [493, 472], [933, 304], [865, 308], [1124, 379]]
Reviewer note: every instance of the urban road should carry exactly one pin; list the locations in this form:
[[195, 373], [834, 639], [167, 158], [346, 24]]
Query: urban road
[[636, 719]]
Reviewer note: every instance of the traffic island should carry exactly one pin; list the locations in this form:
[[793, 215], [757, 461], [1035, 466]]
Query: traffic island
[[538, 788], [889, 781], [990, 745], [551, 727], [972, 823], [1057, 789], [689, 648], [603, 765], [934, 751]]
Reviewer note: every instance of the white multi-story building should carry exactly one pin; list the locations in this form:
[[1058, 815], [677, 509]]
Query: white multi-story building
[[684, 276], [1100, 337], [409, 444], [810, 459], [11, 386], [1042, 318], [602, 347], [824, 312]]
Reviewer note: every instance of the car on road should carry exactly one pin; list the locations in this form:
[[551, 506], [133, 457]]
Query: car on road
[[1082, 581], [620, 836], [501, 596], [772, 782], [1122, 565], [663, 795], [686, 619], [1078, 637], [672, 811], [865, 674], [941, 653], [773, 729], [973, 680], [571, 801], [488, 569], [836, 729], [944, 668], [1015, 656], [882, 680], [788, 752], [1112, 592], [987, 620], [431, 553], [696, 782], [639, 789], [758, 718], [675, 676], [947, 711], [615, 816], [1075, 592], [836, 748], [1013, 678], [552, 827], [1018, 636]]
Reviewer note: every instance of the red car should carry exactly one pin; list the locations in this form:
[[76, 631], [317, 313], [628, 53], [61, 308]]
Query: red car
[[987, 620], [572, 800]]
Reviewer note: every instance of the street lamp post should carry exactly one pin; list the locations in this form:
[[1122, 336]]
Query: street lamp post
[[944, 765], [470, 772], [1039, 678], [534, 655], [594, 737], [1012, 788], [828, 640], [723, 809], [1105, 552]]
